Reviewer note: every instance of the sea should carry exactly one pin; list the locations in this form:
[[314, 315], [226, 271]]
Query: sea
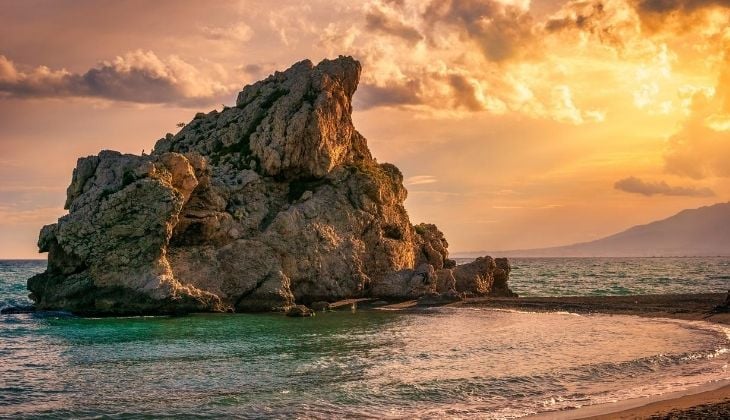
[[433, 363]]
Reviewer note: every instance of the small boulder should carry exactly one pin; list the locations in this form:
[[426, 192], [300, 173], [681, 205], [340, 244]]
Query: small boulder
[[299, 311], [475, 278], [320, 306], [445, 281]]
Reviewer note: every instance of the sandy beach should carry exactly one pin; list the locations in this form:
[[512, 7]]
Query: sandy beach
[[706, 402], [709, 402], [713, 404]]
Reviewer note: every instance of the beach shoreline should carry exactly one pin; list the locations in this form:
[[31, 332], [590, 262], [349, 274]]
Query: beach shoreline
[[707, 401], [687, 306], [711, 400]]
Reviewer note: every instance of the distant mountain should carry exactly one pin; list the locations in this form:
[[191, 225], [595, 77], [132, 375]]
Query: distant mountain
[[697, 232]]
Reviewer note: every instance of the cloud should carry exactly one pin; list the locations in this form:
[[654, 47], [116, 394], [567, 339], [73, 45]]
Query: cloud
[[699, 150], [465, 92], [420, 180], [656, 14], [701, 147], [289, 22], [377, 19], [500, 29], [239, 33], [581, 62], [685, 6], [251, 68], [637, 186], [566, 111], [138, 76], [470, 56], [392, 94], [582, 17], [609, 23], [450, 91], [256, 71], [8, 73], [12, 215]]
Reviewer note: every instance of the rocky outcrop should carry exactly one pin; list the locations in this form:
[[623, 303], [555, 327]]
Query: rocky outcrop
[[483, 276], [273, 202]]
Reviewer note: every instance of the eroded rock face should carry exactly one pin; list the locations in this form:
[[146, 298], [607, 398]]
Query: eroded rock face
[[273, 202]]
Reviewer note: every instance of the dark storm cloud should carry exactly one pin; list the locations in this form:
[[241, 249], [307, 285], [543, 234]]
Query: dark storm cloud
[[647, 188]]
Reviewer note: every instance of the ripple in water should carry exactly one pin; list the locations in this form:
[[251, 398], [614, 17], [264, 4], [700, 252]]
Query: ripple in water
[[447, 362], [439, 363]]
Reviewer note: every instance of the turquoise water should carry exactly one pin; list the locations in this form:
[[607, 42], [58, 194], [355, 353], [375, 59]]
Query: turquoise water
[[437, 363]]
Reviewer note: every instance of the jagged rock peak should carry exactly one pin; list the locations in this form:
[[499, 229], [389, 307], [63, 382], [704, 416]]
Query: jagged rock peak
[[262, 206], [293, 124]]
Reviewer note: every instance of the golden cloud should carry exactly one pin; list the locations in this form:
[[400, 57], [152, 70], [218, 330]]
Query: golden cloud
[[138, 76], [650, 188], [701, 147]]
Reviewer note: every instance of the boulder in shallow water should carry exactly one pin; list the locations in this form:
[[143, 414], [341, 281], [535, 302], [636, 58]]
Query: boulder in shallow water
[[253, 208], [484, 276], [299, 311]]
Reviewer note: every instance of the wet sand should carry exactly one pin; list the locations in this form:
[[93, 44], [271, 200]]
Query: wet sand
[[680, 306], [690, 404], [714, 404], [706, 402]]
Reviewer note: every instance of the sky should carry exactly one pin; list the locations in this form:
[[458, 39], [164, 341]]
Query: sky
[[517, 124]]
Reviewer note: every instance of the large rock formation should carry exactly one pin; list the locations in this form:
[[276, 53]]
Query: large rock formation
[[274, 201]]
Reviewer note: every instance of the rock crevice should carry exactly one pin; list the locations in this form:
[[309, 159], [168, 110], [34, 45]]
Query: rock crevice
[[273, 202]]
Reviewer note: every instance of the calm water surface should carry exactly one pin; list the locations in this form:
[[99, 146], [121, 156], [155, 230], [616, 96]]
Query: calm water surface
[[617, 276], [447, 362]]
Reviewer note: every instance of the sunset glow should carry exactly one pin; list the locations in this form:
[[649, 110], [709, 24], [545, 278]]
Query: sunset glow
[[517, 124]]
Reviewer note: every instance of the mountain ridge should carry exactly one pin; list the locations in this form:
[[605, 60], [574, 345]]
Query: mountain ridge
[[702, 231]]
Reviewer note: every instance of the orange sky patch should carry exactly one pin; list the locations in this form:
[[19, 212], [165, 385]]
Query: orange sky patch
[[512, 122]]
